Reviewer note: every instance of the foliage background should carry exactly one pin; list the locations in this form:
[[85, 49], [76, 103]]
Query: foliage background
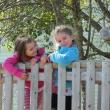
[[38, 17]]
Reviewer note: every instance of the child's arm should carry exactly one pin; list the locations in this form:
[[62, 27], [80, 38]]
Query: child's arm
[[9, 65], [40, 57], [66, 58], [41, 52], [43, 60]]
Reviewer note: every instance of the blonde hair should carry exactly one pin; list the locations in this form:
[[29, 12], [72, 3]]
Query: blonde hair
[[66, 29], [62, 29]]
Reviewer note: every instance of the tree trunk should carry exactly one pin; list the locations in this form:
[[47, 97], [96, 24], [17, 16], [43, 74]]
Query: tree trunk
[[78, 25], [57, 4]]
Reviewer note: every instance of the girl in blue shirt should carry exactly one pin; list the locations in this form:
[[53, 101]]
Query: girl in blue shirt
[[64, 55]]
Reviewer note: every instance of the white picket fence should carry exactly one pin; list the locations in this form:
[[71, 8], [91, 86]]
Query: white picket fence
[[90, 72]]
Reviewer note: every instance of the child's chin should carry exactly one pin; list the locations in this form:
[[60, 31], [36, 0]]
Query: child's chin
[[68, 45], [34, 55]]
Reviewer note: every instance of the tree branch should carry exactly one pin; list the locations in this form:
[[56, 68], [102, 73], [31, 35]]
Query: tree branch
[[93, 22], [89, 32], [103, 8], [17, 16], [97, 27], [100, 52], [86, 17]]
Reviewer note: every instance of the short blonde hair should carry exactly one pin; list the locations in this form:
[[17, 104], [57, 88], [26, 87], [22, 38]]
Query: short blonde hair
[[62, 29]]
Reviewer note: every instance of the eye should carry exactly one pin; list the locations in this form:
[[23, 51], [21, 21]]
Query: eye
[[31, 49], [59, 41]]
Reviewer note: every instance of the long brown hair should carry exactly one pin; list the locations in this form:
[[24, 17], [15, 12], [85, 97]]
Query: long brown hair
[[20, 45]]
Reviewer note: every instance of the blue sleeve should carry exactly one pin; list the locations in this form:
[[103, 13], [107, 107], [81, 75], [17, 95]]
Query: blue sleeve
[[66, 58]]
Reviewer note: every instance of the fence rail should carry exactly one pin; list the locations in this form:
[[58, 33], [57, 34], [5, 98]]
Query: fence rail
[[90, 72]]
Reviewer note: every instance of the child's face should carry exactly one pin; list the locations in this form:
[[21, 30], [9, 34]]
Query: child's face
[[64, 39], [31, 49]]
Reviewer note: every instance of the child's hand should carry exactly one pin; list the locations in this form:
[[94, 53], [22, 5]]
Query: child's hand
[[33, 61], [48, 58], [24, 76], [43, 60]]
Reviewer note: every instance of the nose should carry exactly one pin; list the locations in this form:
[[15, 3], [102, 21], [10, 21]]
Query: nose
[[62, 43]]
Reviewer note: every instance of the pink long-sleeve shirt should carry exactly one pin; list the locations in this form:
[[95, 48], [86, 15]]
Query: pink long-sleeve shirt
[[10, 63]]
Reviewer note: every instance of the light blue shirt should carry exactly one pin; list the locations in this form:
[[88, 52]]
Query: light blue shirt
[[65, 55]]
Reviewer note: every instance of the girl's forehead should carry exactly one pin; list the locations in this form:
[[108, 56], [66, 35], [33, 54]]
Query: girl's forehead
[[61, 35], [31, 44]]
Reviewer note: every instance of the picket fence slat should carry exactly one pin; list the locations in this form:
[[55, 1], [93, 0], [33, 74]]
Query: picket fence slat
[[1, 90], [47, 87], [90, 86], [61, 87], [76, 94], [21, 90], [105, 93], [34, 87], [8, 92]]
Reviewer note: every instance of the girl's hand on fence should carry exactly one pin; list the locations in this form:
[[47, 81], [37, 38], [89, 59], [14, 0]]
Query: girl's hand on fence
[[33, 61], [24, 76], [48, 58], [43, 60]]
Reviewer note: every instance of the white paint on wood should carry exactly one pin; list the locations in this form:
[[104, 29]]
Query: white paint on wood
[[76, 95], [61, 87], [84, 75], [90, 86], [47, 87], [34, 87], [78, 74], [105, 93], [99, 98], [21, 89], [1, 89], [8, 92]]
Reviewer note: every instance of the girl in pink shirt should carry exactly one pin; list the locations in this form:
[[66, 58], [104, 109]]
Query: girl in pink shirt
[[26, 50]]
